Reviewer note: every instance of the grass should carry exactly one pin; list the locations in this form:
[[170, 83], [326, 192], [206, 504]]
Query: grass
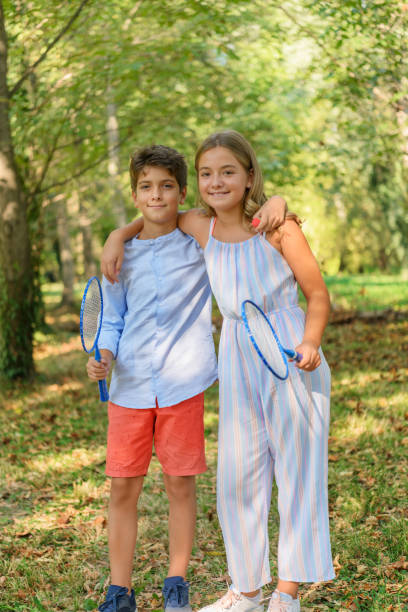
[[368, 292], [53, 491]]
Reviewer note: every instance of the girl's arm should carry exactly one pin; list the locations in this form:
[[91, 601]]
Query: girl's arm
[[293, 245], [112, 253], [192, 222], [195, 223]]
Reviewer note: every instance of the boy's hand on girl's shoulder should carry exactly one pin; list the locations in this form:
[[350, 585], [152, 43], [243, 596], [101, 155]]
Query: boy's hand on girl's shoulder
[[271, 215], [98, 370]]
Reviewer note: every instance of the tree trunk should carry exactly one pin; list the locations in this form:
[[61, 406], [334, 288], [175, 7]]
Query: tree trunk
[[402, 117], [17, 305], [118, 204], [90, 268], [65, 249]]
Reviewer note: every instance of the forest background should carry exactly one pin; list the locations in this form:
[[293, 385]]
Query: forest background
[[321, 91], [318, 88]]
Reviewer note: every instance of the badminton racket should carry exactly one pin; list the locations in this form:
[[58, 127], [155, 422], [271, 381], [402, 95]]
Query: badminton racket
[[90, 323], [265, 340]]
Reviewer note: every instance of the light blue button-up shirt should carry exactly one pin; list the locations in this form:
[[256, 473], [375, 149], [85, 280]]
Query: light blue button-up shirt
[[157, 323]]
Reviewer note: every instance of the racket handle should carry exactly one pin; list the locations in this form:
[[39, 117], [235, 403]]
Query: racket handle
[[103, 387], [294, 355], [103, 390]]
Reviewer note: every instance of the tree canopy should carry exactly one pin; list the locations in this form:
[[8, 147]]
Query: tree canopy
[[319, 89]]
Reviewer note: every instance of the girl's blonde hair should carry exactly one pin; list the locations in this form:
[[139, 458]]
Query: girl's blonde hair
[[254, 196]]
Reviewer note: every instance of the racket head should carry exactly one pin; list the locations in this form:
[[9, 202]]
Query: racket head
[[264, 339], [90, 319]]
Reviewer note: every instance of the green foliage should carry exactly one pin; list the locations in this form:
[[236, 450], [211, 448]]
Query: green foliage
[[319, 88], [363, 67]]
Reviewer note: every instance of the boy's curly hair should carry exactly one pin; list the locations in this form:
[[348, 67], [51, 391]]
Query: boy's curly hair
[[159, 156]]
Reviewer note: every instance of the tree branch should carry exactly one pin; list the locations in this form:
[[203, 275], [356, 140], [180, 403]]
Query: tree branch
[[48, 49], [100, 159], [50, 155]]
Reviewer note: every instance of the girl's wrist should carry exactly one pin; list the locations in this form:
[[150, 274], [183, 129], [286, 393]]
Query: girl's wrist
[[314, 343]]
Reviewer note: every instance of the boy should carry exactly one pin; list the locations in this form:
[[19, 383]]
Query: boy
[[157, 326]]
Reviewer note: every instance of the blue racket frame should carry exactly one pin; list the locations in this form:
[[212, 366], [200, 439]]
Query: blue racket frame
[[103, 387], [283, 351]]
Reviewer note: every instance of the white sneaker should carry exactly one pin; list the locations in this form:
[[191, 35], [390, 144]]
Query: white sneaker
[[282, 602], [235, 602]]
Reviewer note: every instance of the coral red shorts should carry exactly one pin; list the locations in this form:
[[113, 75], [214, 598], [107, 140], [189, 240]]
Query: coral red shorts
[[177, 432]]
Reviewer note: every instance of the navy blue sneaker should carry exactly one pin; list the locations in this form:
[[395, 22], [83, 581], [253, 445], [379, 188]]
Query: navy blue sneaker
[[175, 593], [118, 600]]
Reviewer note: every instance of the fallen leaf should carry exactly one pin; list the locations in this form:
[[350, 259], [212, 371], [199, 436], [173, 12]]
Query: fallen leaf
[[24, 534]]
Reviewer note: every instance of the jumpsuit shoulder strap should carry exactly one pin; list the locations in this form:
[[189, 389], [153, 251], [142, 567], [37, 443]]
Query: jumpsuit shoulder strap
[[212, 224]]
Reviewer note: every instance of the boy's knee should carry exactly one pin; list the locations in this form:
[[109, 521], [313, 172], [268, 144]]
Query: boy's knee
[[126, 489], [180, 487]]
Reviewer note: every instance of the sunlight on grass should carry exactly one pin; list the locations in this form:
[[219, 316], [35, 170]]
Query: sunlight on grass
[[350, 508], [210, 419], [369, 376], [88, 490], [48, 393], [64, 462], [355, 426], [389, 403], [48, 349], [368, 292]]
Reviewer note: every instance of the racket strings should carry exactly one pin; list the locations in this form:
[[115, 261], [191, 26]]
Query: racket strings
[[91, 315], [265, 340]]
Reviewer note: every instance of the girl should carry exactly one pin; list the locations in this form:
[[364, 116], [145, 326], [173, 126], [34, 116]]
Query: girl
[[267, 428]]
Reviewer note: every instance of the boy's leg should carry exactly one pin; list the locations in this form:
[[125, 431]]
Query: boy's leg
[[181, 492], [122, 527], [129, 450], [179, 444]]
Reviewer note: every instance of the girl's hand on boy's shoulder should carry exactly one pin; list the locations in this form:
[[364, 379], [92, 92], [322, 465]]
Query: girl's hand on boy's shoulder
[[112, 257], [310, 356], [271, 215]]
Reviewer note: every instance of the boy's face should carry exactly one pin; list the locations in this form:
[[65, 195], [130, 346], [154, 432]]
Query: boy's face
[[158, 195]]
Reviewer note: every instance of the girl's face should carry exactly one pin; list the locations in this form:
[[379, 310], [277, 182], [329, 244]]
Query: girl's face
[[222, 179]]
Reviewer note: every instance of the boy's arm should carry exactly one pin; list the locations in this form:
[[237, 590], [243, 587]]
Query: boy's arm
[[112, 253], [271, 215], [113, 322]]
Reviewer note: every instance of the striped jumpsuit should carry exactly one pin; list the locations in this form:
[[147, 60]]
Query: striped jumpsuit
[[267, 427]]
